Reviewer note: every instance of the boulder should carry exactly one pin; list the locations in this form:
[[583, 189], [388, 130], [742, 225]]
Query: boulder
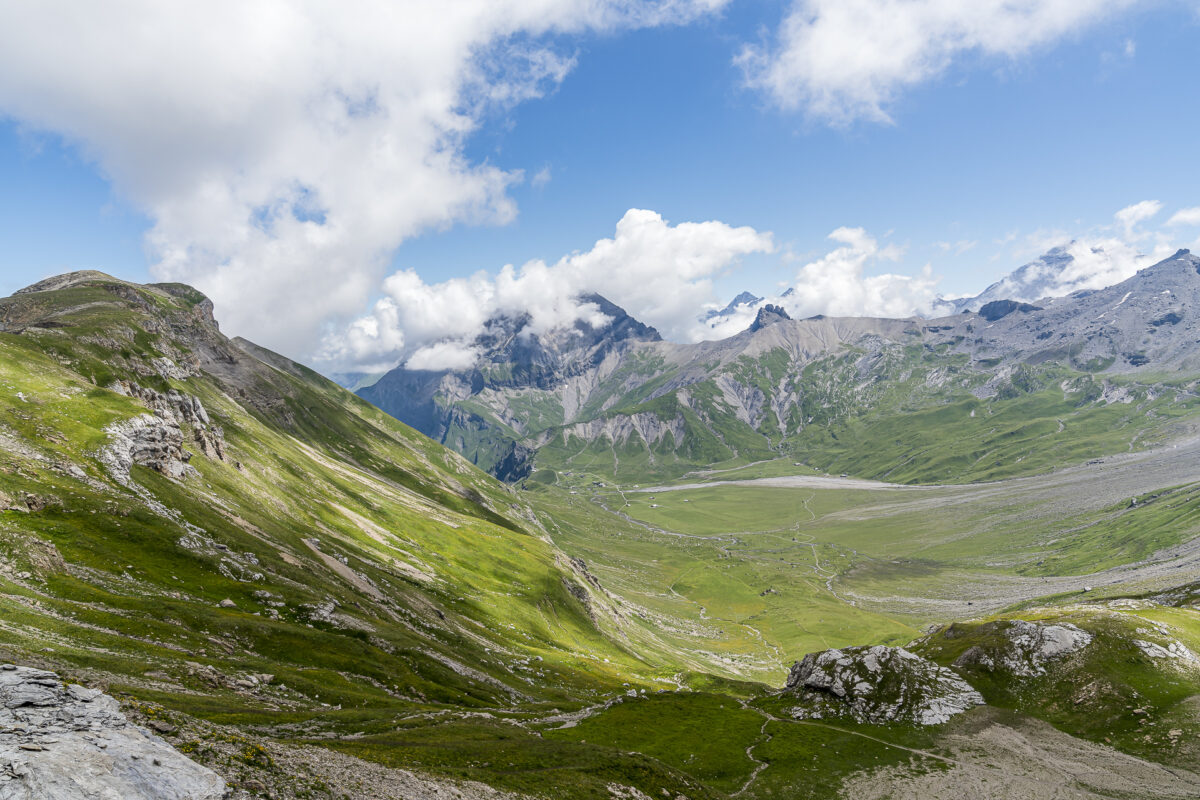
[[68, 742], [1023, 648], [878, 685]]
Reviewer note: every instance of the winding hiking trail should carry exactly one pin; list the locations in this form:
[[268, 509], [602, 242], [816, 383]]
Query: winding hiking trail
[[768, 718]]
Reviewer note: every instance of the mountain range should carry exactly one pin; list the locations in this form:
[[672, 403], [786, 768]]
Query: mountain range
[[620, 396]]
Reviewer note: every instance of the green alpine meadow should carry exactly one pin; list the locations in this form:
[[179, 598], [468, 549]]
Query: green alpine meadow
[[885, 583]]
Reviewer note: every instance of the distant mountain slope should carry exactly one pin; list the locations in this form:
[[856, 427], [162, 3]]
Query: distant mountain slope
[[1028, 283], [638, 406], [1146, 323], [468, 409]]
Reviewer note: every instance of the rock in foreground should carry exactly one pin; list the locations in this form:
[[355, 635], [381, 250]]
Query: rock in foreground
[[878, 685], [70, 743]]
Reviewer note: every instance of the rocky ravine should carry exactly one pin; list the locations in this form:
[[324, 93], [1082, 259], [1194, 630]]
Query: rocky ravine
[[71, 743]]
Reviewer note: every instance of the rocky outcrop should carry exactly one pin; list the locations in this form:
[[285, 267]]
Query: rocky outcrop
[[71, 743], [156, 440], [999, 309], [768, 315], [147, 440], [878, 685], [1023, 648]]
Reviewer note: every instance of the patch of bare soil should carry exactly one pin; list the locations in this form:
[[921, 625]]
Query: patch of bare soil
[[1026, 760]]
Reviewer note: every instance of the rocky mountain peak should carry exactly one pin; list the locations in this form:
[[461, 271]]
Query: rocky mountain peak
[[743, 298], [1028, 282], [768, 315], [622, 326]]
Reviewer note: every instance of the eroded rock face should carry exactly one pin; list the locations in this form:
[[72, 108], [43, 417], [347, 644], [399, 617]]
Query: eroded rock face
[[156, 440], [71, 743], [878, 685], [147, 440], [1027, 647]]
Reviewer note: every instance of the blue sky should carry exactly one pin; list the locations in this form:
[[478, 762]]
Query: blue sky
[[995, 152]]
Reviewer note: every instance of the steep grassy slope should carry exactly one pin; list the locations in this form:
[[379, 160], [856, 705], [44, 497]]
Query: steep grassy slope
[[288, 530]]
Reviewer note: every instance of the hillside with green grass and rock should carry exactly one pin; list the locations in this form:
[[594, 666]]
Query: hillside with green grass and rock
[[209, 548]]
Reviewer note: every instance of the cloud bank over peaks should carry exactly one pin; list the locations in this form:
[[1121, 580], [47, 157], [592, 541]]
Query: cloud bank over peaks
[[837, 284], [1100, 258], [660, 273]]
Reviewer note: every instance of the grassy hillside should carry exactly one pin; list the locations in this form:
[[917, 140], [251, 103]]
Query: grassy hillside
[[367, 570], [886, 411]]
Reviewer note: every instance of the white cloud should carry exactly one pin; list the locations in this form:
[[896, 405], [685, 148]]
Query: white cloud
[[443, 355], [842, 60], [1131, 216], [1185, 216], [541, 177], [837, 285], [284, 150], [660, 273], [1100, 257], [1100, 262]]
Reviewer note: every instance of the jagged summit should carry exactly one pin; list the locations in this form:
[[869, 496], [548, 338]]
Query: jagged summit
[[1027, 283], [622, 325], [768, 315], [511, 359]]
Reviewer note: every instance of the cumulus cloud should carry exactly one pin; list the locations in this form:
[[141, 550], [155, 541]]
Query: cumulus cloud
[[283, 150], [842, 60], [837, 284], [660, 273], [1131, 216], [1186, 216]]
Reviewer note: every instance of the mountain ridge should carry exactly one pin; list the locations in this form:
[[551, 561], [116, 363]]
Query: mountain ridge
[[760, 372]]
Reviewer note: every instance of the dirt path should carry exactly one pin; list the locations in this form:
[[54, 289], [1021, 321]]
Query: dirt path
[[793, 482], [1030, 760]]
